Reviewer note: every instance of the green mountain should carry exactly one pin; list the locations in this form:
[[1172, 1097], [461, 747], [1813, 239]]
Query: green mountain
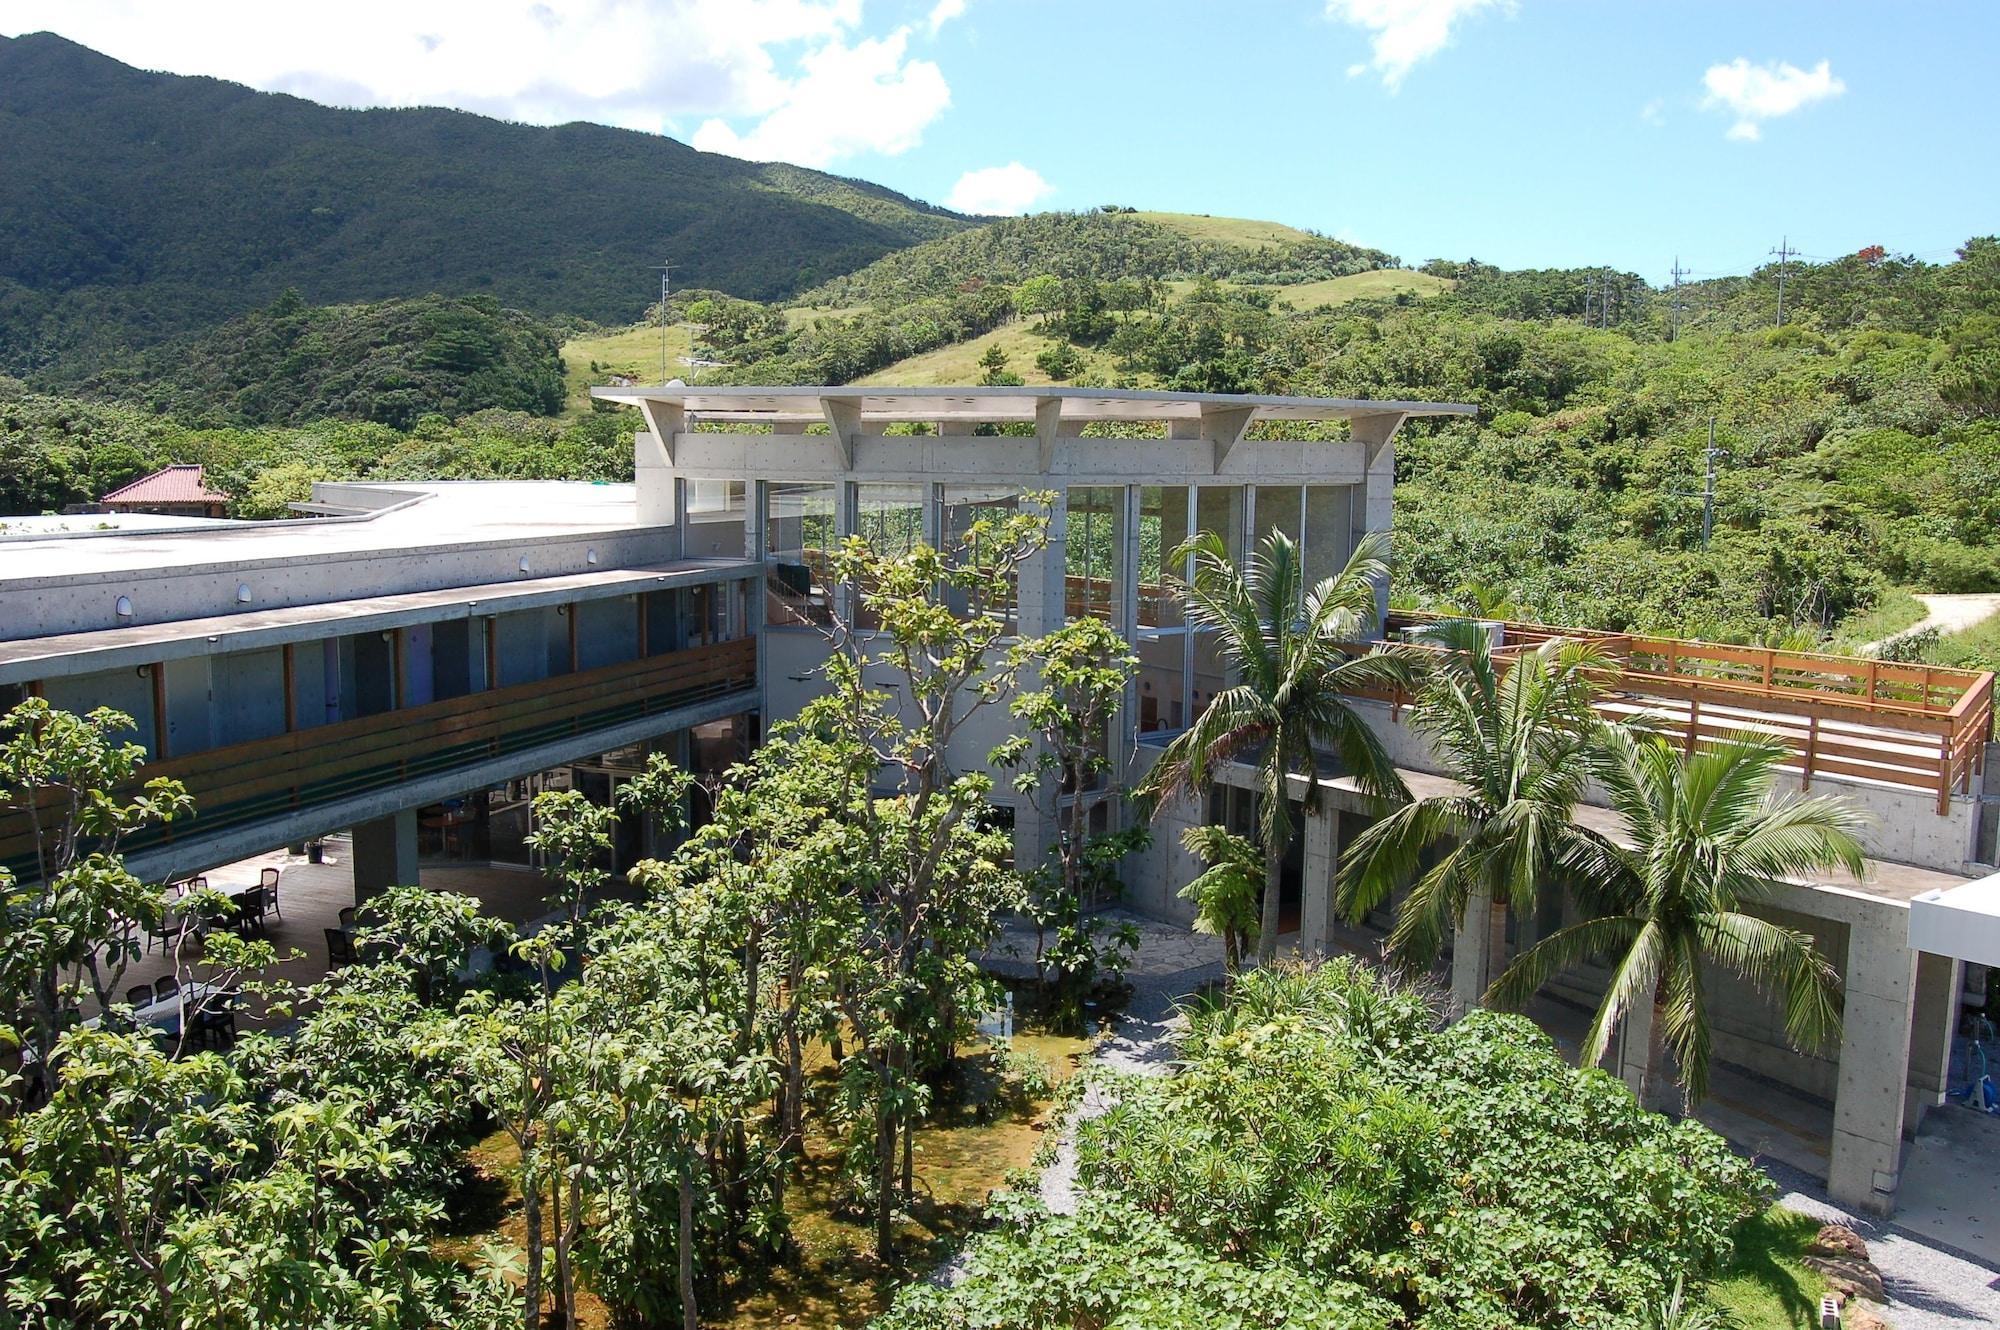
[[139, 206]]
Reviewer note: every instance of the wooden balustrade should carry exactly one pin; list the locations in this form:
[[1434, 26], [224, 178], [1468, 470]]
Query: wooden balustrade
[[1920, 726], [240, 784]]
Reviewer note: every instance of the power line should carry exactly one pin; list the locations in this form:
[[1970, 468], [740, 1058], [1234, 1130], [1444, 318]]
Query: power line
[[1674, 315], [1784, 251]]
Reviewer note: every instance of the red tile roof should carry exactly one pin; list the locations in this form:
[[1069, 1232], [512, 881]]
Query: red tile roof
[[180, 483]]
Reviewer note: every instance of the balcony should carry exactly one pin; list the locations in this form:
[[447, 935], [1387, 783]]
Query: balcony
[[242, 785]]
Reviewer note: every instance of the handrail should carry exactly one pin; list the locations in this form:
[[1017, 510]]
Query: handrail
[[1884, 713]]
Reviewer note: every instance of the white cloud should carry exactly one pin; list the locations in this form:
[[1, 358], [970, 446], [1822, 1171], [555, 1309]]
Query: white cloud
[[943, 12], [639, 64], [998, 190], [1406, 31], [1654, 112], [847, 99], [1756, 93]]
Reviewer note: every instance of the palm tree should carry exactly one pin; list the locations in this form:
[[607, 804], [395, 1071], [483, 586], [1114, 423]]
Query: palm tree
[[1518, 740], [1291, 648], [1706, 841], [1225, 895]]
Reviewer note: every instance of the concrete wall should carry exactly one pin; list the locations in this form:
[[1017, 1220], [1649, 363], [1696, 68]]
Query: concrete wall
[[121, 690], [248, 696]]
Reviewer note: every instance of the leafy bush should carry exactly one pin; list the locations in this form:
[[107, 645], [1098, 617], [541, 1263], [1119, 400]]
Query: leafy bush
[[1324, 1131]]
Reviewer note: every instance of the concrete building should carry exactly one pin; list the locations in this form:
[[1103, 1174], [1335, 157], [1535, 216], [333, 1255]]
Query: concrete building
[[417, 660]]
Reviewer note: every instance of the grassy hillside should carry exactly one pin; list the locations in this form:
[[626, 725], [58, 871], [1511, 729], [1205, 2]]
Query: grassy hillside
[[594, 357], [1241, 232], [139, 206], [1381, 284], [960, 362]]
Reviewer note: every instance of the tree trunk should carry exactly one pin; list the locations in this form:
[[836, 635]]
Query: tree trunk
[[885, 1177], [684, 1241], [1274, 887], [531, 1213]]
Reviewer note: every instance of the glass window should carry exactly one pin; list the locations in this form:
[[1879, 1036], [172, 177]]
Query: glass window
[[798, 536], [717, 510], [1094, 546], [964, 507], [1161, 640], [890, 518]]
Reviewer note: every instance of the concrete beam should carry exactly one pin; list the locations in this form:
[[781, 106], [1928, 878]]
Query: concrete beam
[[667, 421], [1224, 427], [843, 422], [1476, 951], [1048, 428]]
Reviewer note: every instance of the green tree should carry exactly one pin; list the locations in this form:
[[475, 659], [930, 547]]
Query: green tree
[[75, 921], [1292, 649], [1518, 738], [1706, 842], [1059, 360], [1226, 892]]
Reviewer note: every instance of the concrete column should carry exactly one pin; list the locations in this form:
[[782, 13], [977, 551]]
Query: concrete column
[[1377, 435], [1865, 1162], [1316, 911], [1933, 1018], [1042, 607], [1629, 1051], [385, 854], [1472, 955]]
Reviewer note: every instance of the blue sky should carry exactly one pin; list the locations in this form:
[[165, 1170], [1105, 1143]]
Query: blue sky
[[1536, 132]]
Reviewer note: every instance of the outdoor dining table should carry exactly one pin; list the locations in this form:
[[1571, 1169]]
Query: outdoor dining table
[[165, 1014]]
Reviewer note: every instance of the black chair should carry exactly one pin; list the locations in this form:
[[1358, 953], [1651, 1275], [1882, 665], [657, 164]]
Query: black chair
[[251, 907], [268, 880], [139, 995], [173, 926], [339, 948], [347, 917], [214, 1023], [166, 988]]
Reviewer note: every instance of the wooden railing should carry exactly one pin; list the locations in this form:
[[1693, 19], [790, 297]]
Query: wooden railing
[[241, 784], [1921, 726]]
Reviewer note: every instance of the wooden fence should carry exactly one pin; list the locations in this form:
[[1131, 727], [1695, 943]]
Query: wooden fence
[[1920, 726]]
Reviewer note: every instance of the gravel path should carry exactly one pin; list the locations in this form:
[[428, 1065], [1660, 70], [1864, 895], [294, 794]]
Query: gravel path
[[1929, 1288], [1947, 614]]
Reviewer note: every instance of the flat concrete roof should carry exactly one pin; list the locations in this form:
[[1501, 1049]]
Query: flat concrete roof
[[1961, 921], [142, 644], [792, 405], [434, 515]]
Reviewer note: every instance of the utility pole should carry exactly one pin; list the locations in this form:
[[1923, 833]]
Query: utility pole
[[1589, 289], [1708, 489], [1784, 251], [666, 269], [1674, 311]]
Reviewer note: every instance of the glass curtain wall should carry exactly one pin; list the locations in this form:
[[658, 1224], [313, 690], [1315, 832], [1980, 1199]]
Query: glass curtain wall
[[1094, 545], [891, 519], [1162, 643], [961, 509], [716, 513], [799, 527], [1218, 509]]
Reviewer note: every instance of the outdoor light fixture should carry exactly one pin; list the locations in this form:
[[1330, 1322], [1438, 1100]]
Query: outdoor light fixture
[[524, 563], [242, 593], [590, 557], [124, 607], [144, 671]]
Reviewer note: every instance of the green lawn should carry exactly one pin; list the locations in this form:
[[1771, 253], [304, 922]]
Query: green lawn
[[1767, 1286], [1976, 648]]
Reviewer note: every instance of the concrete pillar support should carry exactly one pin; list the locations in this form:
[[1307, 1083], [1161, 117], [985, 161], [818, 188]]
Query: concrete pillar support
[[1316, 910], [1472, 953], [1865, 1160], [385, 854], [1629, 1049], [1933, 1018]]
